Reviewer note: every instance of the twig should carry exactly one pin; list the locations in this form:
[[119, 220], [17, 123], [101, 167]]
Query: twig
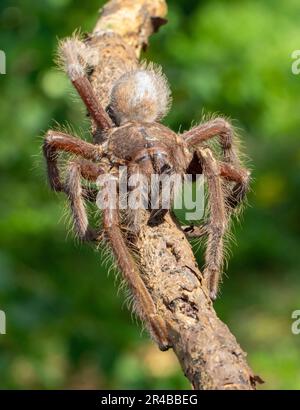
[[209, 354]]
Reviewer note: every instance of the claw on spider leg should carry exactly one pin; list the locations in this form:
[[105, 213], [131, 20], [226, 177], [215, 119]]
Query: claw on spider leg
[[91, 236], [212, 280], [192, 231], [159, 332], [213, 295], [157, 216], [188, 228]]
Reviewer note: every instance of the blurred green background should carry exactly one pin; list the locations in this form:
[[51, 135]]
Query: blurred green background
[[66, 326]]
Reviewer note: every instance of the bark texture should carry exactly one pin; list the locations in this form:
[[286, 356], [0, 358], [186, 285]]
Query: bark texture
[[209, 354]]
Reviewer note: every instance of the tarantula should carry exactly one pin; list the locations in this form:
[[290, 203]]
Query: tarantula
[[134, 137]]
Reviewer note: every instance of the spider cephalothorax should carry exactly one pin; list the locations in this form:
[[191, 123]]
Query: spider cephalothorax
[[133, 137]]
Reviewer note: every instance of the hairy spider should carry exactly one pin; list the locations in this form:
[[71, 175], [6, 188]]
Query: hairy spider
[[132, 136]]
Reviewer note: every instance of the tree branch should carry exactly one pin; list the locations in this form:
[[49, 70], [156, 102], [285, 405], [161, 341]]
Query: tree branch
[[209, 354]]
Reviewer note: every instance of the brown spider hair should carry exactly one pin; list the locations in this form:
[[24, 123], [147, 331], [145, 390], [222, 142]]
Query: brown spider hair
[[133, 137], [141, 95]]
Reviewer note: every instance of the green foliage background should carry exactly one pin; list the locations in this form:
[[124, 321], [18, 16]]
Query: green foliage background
[[65, 324]]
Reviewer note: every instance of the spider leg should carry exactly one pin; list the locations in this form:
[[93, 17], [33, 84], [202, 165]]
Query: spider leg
[[56, 141], [90, 172], [216, 127], [233, 197], [145, 304], [71, 52], [164, 171], [218, 220], [77, 193], [149, 163], [192, 231], [138, 197], [242, 178]]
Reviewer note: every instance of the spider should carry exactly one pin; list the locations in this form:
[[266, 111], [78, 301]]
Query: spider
[[133, 136]]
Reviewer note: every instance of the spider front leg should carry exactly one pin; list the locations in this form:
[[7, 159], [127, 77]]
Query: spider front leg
[[144, 303], [138, 197], [162, 187], [149, 172], [218, 221], [218, 126], [160, 208]]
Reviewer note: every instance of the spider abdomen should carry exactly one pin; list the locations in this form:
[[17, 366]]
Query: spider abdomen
[[140, 95]]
